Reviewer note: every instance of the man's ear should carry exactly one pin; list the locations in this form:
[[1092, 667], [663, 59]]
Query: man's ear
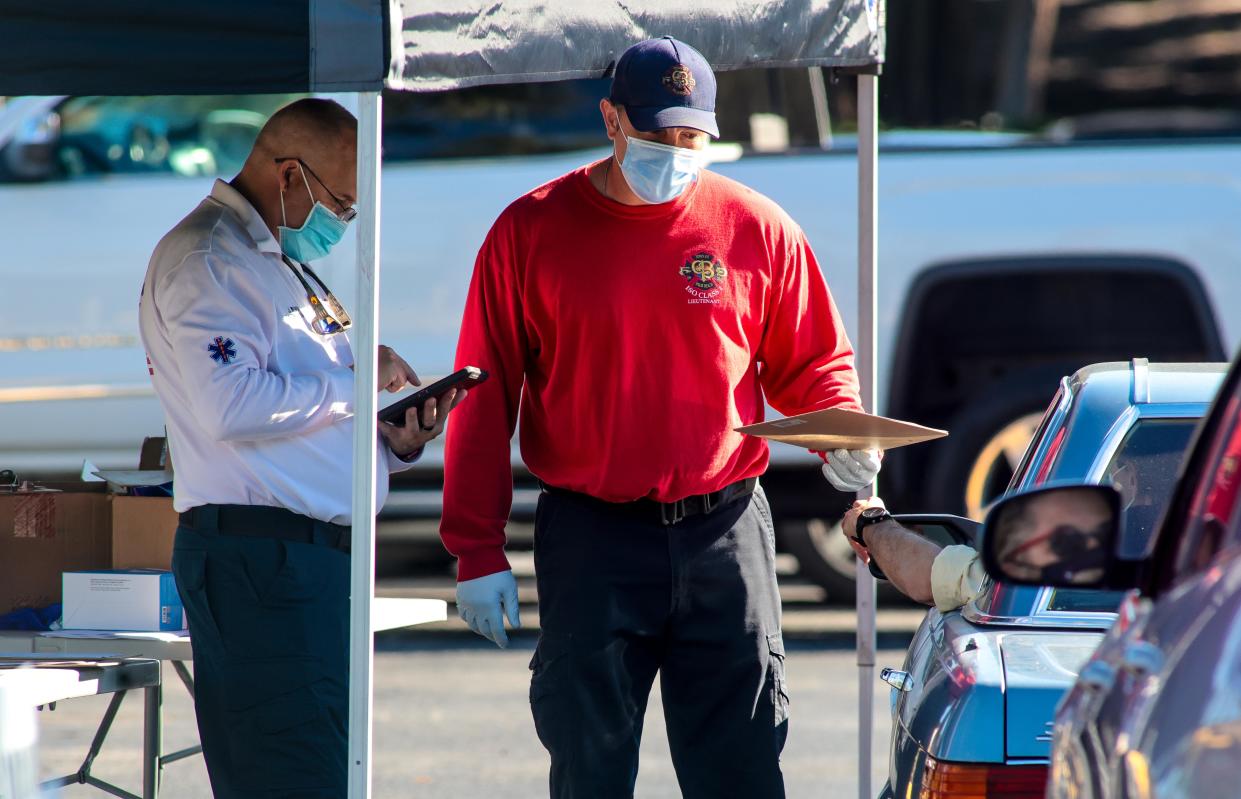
[[287, 175], [611, 116]]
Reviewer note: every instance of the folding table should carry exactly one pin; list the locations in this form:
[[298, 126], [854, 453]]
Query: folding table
[[387, 613], [44, 679]]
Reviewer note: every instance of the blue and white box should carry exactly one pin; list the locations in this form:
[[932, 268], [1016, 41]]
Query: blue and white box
[[132, 600]]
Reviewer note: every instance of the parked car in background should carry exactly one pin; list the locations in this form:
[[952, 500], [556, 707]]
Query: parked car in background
[[1156, 711], [972, 704], [1007, 260]]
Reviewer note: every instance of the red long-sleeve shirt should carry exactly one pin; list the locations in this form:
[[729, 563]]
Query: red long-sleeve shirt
[[634, 339]]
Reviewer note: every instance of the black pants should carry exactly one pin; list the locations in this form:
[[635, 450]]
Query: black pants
[[269, 626], [621, 599]]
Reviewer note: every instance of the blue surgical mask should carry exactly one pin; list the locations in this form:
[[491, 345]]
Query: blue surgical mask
[[658, 173], [321, 231]]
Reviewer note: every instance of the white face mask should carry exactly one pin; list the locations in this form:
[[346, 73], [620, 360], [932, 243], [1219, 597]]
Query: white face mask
[[656, 172]]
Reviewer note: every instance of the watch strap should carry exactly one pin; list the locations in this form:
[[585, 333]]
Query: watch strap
[[864, 521]]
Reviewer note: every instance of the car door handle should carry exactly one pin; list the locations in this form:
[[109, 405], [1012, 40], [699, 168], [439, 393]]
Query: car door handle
[[1142, 657], [900, 680], [1098, 676]]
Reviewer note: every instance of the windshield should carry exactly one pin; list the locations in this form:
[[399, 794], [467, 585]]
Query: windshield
[[1144, 471]]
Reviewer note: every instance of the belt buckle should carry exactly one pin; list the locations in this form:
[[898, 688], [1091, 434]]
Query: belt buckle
[[677, 510], [711, 501]]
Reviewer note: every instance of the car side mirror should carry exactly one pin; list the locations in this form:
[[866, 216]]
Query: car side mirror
[[1061, 536], [942, 528]]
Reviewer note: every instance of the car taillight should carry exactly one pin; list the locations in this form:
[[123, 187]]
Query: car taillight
[[942, 780]]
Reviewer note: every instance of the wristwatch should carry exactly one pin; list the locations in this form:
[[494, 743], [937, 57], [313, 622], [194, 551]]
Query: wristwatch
[[866, 518]]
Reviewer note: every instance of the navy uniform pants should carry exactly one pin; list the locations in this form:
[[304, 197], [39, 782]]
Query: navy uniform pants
[[623, 598], [269, 626]]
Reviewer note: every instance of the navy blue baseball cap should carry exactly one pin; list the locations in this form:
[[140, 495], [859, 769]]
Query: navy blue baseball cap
[[665, 83]]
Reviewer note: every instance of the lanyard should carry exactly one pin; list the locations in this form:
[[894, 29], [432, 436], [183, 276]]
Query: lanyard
[[325, 323]]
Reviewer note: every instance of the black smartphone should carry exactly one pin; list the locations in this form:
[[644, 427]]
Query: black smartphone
[[468, 377]]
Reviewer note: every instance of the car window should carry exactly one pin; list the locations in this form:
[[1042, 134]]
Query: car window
[[89, 136], [1144, 469], [1040, 434], [1213, 511], [1077, 600]]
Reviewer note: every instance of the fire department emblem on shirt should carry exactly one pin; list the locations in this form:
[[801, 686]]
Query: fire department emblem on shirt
[[223, 350], [679, 80], [705, 274]]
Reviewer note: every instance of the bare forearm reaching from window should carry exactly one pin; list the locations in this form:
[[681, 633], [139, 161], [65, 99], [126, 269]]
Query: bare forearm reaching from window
[[905, 558], [947, 577]]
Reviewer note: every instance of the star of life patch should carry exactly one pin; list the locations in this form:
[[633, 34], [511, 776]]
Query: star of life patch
[[223, 351]]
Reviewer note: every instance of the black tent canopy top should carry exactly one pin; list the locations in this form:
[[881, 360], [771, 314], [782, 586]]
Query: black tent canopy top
[[241, 46]]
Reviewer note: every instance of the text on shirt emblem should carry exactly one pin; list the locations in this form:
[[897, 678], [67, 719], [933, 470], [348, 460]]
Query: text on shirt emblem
[[705, 274]]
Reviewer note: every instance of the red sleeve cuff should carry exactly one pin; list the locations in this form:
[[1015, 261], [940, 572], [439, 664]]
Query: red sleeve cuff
[[480, 563]]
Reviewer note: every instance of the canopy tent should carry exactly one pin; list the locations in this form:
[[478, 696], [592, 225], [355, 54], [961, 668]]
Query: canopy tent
[[145, 47], [238, 46]]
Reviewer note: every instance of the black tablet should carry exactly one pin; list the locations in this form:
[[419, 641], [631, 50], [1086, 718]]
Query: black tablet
[[468, 377]]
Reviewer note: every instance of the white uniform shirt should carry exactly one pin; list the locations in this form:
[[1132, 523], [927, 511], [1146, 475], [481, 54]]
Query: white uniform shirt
[[259, 407]]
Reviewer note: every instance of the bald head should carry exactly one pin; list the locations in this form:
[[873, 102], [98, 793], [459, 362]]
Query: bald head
[[306, 153], [306, 128]]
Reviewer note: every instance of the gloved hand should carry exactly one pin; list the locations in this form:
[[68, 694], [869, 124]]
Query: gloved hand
[[484, 602], [852, 469]]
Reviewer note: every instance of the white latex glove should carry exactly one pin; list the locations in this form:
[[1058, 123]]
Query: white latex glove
[[484, 602], [851, 469]]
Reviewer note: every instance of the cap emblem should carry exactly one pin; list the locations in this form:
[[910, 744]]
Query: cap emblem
[[679, 80]]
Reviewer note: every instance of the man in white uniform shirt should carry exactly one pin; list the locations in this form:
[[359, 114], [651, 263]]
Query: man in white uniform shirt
[[251, 363]]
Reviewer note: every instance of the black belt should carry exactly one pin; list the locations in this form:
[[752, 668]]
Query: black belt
[[669, 513], [260, 521]]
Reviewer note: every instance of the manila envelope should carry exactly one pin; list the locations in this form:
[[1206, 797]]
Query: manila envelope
[[837, 428]]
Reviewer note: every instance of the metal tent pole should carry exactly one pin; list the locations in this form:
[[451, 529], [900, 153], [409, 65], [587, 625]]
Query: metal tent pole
[[822, 112], [867, 283], [365, 348]]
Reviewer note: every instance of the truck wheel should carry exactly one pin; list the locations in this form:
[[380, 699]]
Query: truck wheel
[[987, 439], [825, 558]]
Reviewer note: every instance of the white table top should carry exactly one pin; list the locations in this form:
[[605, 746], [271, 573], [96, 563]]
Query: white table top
[[52, 682], [42, 686], [387, 613]]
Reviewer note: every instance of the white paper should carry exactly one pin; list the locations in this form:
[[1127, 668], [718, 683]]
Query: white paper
[[170, 638]]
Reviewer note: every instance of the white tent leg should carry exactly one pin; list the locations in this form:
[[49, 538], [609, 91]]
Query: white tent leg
[[365, 347], [867, 362]]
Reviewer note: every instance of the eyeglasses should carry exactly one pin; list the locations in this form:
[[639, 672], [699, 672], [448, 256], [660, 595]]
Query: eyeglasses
[[330, 320], [347, 213]]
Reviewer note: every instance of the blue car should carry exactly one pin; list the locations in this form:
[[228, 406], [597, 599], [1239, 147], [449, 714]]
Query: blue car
[[972, 705]]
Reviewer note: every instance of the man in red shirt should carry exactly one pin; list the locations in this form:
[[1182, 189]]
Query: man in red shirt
[[638, 310]]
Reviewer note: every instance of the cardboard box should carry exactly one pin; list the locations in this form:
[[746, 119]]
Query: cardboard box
[[143, 600], [143, 529], [43, 534], [81, 527]]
